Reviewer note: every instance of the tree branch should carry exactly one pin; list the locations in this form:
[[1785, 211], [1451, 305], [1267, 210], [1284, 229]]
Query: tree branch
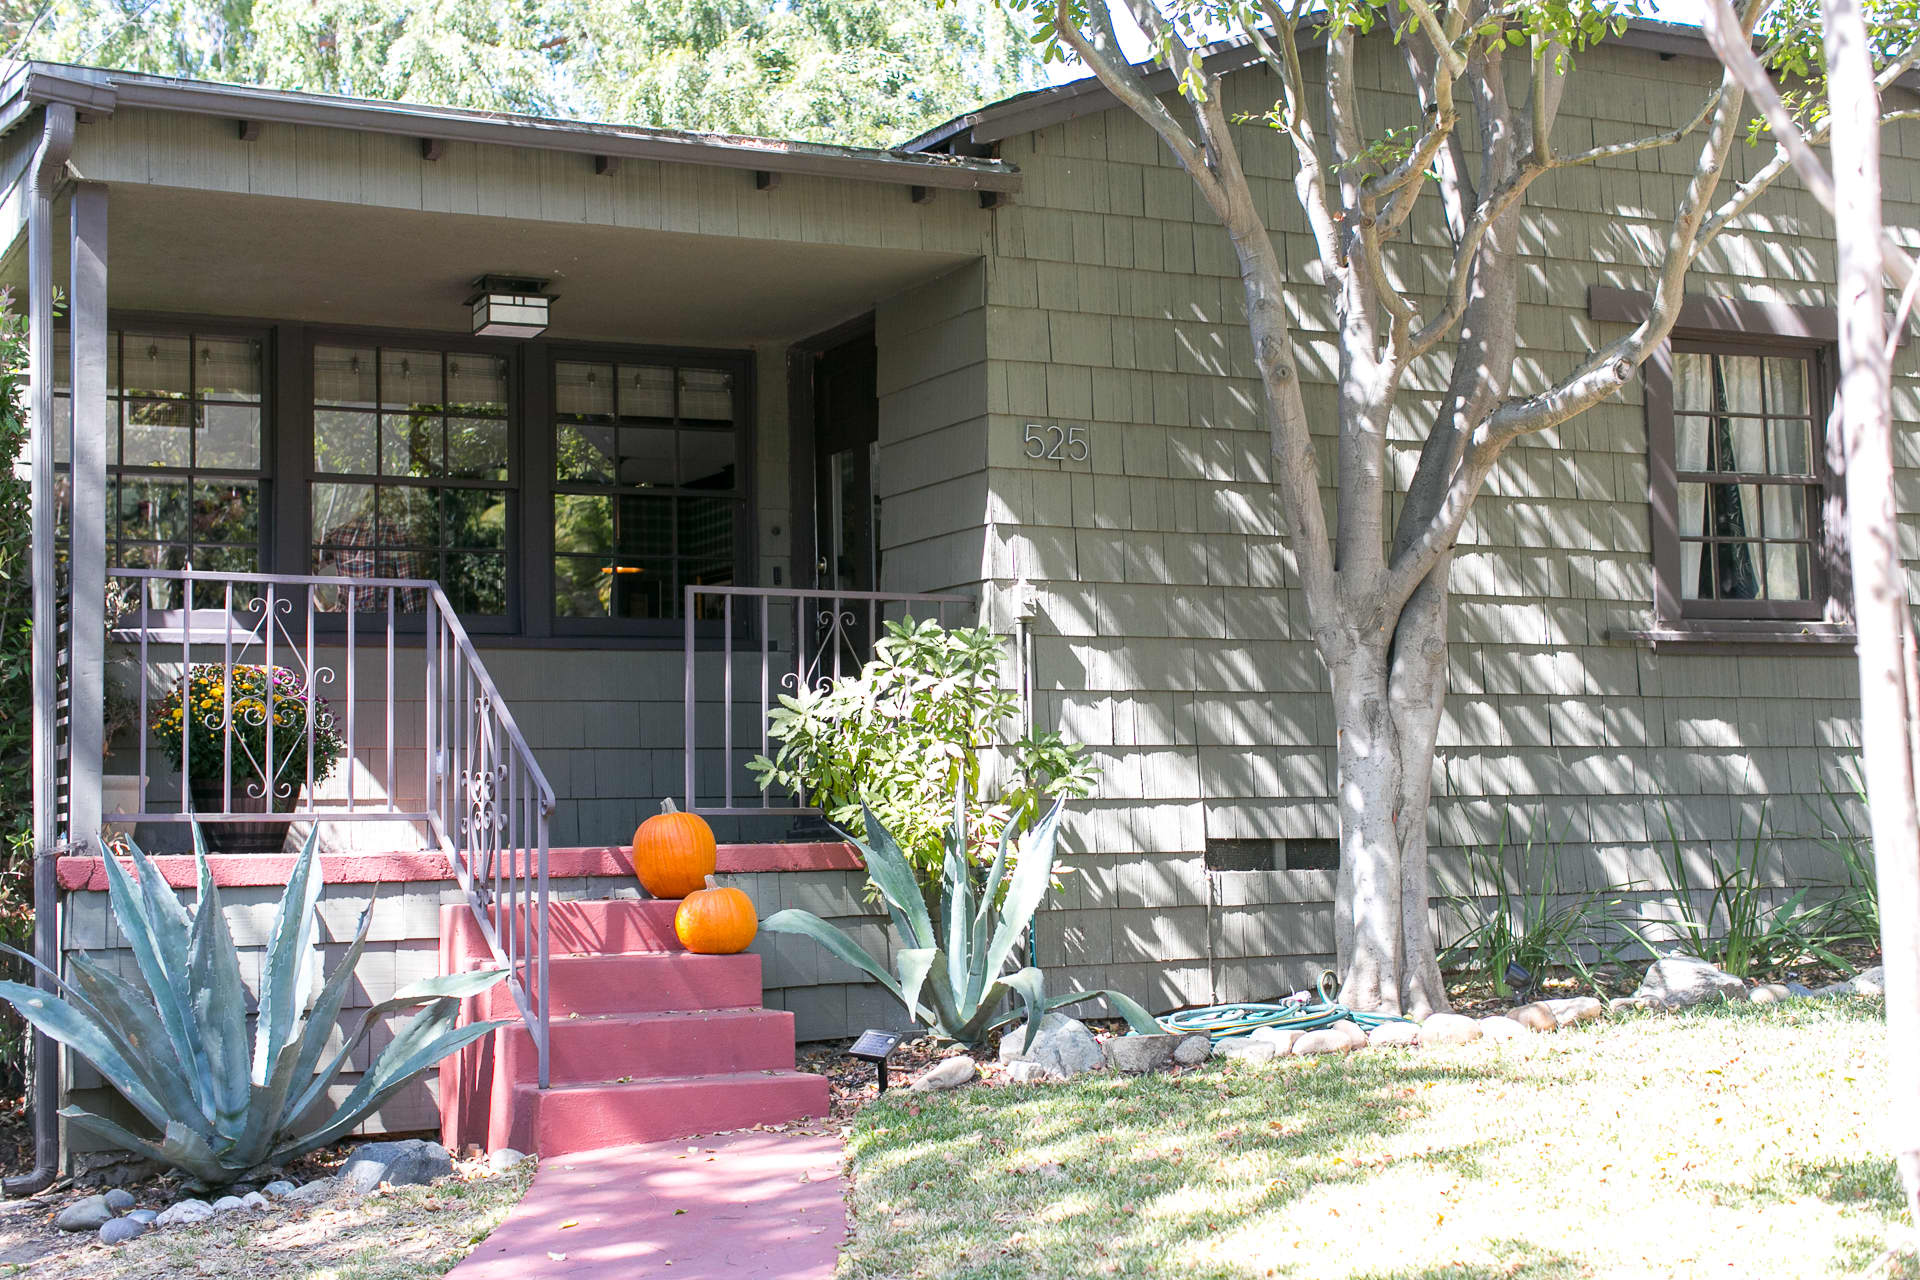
[[1615, 149], [1310, 182]]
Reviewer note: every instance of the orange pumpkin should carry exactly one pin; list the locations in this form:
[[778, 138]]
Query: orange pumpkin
[[673, 853], [715, 921]]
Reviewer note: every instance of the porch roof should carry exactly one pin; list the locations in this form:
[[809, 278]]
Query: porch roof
[[100, 91]]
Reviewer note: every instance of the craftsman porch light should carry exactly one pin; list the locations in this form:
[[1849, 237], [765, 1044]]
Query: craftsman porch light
[[874, 1047], [509, 307]]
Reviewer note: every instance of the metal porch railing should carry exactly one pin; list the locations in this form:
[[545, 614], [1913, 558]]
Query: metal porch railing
[[448, 757], [792, 639]]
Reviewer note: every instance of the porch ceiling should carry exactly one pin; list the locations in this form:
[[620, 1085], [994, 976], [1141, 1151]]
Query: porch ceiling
[[209, 253]]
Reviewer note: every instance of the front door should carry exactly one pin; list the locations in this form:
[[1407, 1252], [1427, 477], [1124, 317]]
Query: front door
[[846, 441]]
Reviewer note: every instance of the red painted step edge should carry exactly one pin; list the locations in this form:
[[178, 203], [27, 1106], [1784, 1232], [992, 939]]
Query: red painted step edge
[[249, 871], [565, 1119]]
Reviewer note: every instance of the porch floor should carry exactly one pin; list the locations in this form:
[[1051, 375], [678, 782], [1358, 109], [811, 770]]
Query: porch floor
[[741, 1206]]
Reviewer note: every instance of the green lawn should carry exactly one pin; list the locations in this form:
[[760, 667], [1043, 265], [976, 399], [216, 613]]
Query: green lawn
[[1741, 1141]]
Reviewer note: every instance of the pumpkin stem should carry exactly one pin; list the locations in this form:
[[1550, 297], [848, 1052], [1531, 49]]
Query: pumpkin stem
[[668, 806], [712, 883]]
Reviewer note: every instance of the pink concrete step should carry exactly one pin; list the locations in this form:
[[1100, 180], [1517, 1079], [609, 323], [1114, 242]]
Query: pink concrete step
[[588, 1117], [655, 982], [651, 1045], [607, 927]]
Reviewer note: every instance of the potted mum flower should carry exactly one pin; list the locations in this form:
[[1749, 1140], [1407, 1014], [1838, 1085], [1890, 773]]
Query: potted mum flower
[[227, 709]]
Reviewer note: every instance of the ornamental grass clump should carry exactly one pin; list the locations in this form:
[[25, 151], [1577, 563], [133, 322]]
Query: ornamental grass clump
[[224, 1104], [227, 708]]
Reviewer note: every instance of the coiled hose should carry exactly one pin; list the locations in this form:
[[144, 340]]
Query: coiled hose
[[1297, 1013]]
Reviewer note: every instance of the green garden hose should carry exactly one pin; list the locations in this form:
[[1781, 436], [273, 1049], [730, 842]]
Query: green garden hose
[[1223, 1021]]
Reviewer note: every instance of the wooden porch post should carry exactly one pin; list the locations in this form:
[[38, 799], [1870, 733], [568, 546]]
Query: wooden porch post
[[87, 322]]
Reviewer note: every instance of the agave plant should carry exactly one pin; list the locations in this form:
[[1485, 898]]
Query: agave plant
[[952, 971], [175, 1044]]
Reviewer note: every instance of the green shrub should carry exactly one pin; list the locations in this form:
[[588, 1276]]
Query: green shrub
[[174, 1041], [951, 973], [909, 732], [16, 685]]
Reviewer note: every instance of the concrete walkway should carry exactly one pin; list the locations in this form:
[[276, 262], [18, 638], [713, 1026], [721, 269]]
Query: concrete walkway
[[746, 1206]]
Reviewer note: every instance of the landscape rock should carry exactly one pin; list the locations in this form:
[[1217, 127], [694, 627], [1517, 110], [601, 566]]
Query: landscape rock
[[1449, 1028], [1326, 1040], [1281, 1040], [1245, 1049], [1192, 1049], [1534, 1017], [143, 1216], [504, 1159], [119, 1200], [1868, 982], [1575, 1009], [408, 1163], [184, 1214], [1770, 993], [254, 1200], [278, 1189], [1501, 1027], [85, 1214], [1137, 1055], [229, 1204], [121, 1230], [315, 1191], [1621, 1003], [1401, 1034], [948, 1073], [1680, 982], [1024, 1071], [1062, 1046], [1799, 990]]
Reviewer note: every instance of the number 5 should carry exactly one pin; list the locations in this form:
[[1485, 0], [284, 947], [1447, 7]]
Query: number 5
[[1077, 448], [1036, 447]]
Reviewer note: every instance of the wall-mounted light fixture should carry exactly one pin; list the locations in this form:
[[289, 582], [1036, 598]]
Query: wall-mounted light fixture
[[509, 307]]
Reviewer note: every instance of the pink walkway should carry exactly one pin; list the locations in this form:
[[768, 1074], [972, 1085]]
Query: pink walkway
[[747, 1206]]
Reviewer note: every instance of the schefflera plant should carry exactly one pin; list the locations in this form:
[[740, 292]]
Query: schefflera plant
[[175, 1042], [951, 972]]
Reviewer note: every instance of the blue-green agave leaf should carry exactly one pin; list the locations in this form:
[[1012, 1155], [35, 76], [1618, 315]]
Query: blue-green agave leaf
[[181, 1147], [889, 870], [52, 1016], [1031, 987], [219, 1007], [319, 1026], [914, 964], [957, 885], [835, 940], [984, 917], [126, 1015], [288, 972], [156, 928], [1032, 877]]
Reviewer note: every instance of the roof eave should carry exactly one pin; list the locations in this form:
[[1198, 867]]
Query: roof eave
[[101, 93]]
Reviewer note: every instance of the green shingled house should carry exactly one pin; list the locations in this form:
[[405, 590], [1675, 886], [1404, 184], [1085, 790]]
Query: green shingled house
[[549, 452]]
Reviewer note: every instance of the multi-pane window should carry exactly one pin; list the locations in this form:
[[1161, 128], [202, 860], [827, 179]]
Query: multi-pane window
[[1740, 483], [185, 450], [646, 485], [412, 472]]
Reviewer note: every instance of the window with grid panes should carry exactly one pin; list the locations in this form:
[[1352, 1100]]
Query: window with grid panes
[[412, 472], [185, 450], [647, 488], [1749, 485]]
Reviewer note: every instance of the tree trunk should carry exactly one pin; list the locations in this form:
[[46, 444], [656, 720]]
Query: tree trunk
[[1386, 717]]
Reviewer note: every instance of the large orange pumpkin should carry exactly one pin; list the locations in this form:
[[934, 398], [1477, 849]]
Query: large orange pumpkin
[[673, 853], [715, 921]]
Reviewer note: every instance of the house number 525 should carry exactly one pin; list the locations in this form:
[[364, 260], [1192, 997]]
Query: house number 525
[[1055, 443]]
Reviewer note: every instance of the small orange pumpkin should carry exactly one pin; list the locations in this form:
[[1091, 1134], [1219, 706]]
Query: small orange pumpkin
[[673, 852], [716, 922]]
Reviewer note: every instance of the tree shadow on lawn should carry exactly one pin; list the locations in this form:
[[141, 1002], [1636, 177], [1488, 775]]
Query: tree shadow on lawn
[[1143, 1176], [1868, 1184]]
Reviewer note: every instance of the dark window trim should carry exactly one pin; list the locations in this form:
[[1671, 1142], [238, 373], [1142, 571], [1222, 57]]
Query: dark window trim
[[172, 324], [669, 632], [1736, 326]]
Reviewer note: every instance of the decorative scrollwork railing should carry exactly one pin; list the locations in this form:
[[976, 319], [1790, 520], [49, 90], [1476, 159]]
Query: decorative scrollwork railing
[[279, 699], [788, 640]]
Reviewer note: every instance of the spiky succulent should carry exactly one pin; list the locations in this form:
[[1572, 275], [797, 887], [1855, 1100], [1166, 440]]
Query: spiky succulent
[[952, 964], [175, 1042]]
